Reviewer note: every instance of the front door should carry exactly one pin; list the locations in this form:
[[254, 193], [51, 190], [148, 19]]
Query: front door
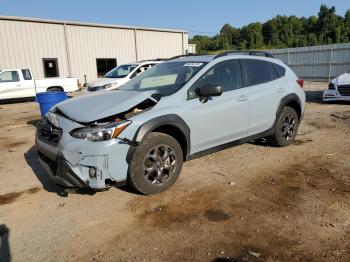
[[221, 119], [10, 85]]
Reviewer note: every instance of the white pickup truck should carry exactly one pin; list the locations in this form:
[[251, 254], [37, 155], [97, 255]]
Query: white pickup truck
[[19, 83]]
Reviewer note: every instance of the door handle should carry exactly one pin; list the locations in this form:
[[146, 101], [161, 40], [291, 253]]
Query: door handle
[[280, 90], [242, 98]]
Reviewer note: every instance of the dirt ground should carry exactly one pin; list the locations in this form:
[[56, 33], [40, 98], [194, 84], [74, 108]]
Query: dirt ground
[[249, 203]]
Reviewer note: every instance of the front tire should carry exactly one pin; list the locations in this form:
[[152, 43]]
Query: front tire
[[156, 164], [286, 128]]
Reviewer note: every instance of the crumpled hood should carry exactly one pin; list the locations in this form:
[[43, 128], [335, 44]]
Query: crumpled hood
[[343, 79], [102, 81], [95, 106]]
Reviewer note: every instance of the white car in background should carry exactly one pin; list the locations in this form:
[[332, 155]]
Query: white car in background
[[338, 89], [19, 83], [120, 75]]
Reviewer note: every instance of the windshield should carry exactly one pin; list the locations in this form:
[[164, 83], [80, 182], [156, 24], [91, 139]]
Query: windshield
[[120, 71], [166, 78]]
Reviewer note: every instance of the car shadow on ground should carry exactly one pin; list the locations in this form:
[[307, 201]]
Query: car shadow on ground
[[5, 255], [129, 189]]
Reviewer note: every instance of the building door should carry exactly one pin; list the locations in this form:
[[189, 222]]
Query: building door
[[105, 65], [50, 67]]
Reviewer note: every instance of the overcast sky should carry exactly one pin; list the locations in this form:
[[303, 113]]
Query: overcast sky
[[198, 17]]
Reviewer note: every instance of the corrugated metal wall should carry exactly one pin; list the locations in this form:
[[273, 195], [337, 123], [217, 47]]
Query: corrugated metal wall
[[85, 44], [317, 63], [24, 43], [158, 44]]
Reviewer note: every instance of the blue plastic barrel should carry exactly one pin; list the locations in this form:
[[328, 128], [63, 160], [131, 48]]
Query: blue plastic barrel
[[48, 99]]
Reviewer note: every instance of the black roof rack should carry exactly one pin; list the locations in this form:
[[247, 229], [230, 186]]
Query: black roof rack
[[155, 59], [245, 52], [186, 55]]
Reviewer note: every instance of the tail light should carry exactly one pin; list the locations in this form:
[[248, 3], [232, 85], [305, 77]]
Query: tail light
[[78, 82], [300, 82]]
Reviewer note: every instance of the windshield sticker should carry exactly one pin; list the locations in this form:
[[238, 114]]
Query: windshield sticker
[[193, 64]]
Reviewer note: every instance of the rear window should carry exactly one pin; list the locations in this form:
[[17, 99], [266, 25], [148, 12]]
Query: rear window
[[26, 74], [281, 71], [258, 71]]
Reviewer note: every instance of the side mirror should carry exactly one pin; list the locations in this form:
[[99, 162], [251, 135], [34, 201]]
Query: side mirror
[[209, 90]]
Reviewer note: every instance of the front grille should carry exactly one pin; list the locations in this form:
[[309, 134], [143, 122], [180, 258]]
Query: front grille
[[344, 90], [48, 133]]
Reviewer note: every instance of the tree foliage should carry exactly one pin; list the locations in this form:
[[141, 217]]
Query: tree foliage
[[281, 31]]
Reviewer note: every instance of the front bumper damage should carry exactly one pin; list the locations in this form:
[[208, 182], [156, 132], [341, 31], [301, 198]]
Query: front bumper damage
[[69, 161], [60, 172]]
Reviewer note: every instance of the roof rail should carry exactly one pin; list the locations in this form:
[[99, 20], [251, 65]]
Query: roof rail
[[186, 55], [155, 59], [245, 52]]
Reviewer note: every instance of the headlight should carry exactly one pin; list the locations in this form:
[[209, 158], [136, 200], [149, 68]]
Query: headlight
[[100, 133], [52, 118], [115, 84]]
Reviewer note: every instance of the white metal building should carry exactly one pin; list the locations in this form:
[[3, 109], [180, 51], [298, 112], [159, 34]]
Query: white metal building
[[62, 48]]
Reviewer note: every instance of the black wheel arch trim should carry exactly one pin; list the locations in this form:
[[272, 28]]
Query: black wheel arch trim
[[157, 122], [286, 100]]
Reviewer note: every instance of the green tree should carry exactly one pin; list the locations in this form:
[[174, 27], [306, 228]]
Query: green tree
[[326, 24], [252, 35], [312, 39], [226, 33], [281, 31], [270, 33], [346, 35]]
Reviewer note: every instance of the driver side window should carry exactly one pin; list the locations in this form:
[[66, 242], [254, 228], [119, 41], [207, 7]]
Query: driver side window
[[226, 74]]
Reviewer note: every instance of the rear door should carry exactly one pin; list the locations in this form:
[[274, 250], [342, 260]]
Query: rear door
[[221, 119], [261, 78], [10, 84]]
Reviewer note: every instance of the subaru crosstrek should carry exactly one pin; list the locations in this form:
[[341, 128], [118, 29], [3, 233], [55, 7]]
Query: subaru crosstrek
[[181, 109]]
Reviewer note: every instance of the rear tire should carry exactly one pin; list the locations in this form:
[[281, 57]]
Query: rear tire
[[54, 89], [156, 164], [286, 128]]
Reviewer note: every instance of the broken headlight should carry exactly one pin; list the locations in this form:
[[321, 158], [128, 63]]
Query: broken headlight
[[52, 118], [102, 132]]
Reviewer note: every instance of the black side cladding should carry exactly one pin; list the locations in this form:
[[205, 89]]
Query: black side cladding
[[172, 121], [288, 99]]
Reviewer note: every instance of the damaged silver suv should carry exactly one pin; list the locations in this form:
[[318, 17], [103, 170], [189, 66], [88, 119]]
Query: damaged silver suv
[[181, 109]]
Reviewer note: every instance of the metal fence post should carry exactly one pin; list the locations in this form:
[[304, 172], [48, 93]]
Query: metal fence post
[[136, 47], [330, 64]]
